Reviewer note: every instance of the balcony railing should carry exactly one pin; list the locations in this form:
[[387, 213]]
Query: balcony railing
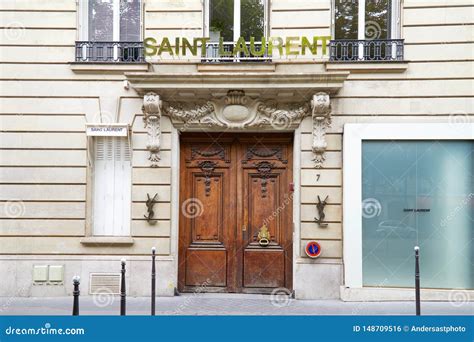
[[353, 50], [109, 52], [214, 55]]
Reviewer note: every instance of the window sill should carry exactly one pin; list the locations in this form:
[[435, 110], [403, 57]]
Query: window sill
[[110, 68], [107, 240], [368, 67]]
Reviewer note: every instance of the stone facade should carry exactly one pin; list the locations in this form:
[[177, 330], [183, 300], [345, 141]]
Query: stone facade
[[47, 99]]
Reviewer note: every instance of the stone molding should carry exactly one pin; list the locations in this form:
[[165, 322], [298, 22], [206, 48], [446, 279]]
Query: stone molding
[[237, 111]]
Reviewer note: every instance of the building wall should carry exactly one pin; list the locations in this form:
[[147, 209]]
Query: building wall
[[45, 105]]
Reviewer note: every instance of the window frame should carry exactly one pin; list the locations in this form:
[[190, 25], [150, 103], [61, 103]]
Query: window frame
[[237, 19], [354, 134], [83, 20], [395, 19]]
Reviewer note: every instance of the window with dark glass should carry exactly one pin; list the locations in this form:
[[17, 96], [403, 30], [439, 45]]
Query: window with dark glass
[[110, 31], [130, 20], [231, 19], [252, 19], [100, 20], [347, 19], [377, 19], [221, 20], [366, 30], [113, 20]]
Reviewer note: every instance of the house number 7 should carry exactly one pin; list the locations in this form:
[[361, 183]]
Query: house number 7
[[318, 176]]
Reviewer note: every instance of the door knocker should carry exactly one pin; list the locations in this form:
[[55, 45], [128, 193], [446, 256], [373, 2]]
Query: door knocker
[[263, 236], [149, 207], [320, 206]]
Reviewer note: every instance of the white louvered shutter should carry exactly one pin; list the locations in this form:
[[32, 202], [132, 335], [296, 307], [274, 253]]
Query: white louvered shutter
[[112, 186]]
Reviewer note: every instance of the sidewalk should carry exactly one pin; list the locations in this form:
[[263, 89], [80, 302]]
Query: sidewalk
[[223, 304]]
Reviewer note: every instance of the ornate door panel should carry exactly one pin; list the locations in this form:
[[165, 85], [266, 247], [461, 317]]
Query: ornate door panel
[[266, 242], [235, 219], [206, 236]]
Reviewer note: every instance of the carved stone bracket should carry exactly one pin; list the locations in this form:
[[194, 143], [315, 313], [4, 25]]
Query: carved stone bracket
[[237, 111], [321, 113], [152, 114]]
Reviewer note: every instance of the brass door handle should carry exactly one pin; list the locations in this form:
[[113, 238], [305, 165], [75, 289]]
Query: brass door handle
[[263, 236], [244, 228]]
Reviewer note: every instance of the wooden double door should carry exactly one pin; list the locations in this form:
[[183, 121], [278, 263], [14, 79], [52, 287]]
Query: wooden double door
[[236, 227]]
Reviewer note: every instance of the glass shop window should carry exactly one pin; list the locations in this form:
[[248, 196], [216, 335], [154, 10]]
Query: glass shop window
[[418, 193]]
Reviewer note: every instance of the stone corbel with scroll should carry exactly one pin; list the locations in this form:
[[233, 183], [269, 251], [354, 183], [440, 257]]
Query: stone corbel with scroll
[[321, 113], [152, 115]]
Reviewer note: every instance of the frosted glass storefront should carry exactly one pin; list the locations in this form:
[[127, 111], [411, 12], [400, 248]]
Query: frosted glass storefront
[[418, 193]]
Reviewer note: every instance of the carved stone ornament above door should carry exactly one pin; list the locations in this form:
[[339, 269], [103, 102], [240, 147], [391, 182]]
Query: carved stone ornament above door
[[237, 111]]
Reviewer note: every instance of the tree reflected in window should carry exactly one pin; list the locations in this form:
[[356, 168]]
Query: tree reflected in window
[[347, 17], [221, 20], [252, 19], [377, 19]]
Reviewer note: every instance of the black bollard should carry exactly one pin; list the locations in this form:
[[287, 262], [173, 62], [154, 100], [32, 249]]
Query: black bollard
[[123, 293], [153, 281], [76, 280], [417, 280]]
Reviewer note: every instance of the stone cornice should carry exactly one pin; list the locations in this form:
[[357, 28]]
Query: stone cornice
[[265, 85]]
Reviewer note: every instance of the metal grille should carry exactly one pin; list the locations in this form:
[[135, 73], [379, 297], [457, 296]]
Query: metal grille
[[109, 52], [104, 283], [353, 50]]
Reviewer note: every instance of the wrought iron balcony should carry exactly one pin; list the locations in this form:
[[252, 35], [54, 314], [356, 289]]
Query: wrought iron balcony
[[109, 52], [213, 53], [353, 50]]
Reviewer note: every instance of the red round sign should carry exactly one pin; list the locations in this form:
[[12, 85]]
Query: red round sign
[[313, 249]]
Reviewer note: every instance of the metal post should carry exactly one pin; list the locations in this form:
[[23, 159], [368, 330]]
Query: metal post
[[153, 281], [417, 280], [76, 280], [123, 293]]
